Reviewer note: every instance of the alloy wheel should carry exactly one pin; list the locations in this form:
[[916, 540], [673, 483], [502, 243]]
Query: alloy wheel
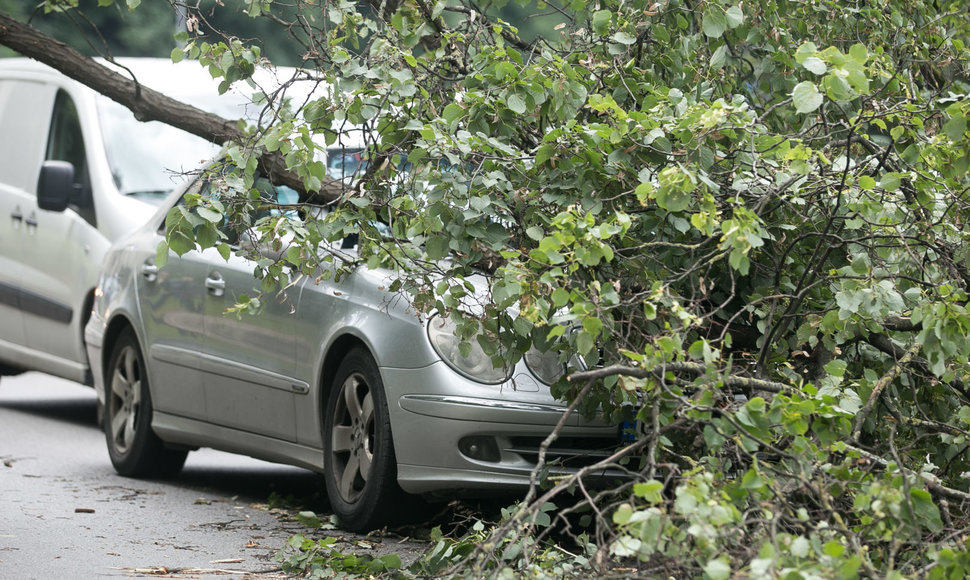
[[353, 437], [124, 398]]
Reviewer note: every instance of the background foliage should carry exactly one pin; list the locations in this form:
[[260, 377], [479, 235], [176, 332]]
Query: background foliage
[[748, 219]]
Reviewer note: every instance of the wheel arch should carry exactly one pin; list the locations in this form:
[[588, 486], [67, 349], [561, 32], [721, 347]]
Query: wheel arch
[[331, 361], [87, 307], [115, 327]]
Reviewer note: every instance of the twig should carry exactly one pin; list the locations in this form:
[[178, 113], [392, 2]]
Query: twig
[[881, 385], [931, 482], [681, 367]]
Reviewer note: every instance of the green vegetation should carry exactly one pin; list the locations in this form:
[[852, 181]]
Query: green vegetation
[[749, 218]]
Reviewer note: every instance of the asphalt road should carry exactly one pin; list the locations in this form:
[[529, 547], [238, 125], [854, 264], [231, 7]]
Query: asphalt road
[[65, 513]]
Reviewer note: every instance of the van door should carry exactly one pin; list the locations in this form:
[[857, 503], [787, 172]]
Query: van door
[[58, 248], [25, 112]]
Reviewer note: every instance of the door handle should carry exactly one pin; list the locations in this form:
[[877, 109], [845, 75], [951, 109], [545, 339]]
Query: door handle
[[149, 271], [31, 220], [17, 216], [215, 284]]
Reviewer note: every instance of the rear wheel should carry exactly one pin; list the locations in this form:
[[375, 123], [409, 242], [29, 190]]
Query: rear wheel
[[134, 448], [360, 469]]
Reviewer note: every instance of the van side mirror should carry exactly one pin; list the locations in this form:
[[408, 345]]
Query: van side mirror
[[55, 185]]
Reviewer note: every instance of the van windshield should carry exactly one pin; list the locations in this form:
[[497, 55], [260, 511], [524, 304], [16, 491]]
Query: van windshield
[[148, 160]]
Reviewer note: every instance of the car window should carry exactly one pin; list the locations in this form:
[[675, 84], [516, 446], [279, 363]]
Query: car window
[[66, 143], [275, 200], [346, 163]]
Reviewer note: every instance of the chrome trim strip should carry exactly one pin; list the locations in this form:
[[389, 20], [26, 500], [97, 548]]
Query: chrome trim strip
[[490, 404], [233, 370]]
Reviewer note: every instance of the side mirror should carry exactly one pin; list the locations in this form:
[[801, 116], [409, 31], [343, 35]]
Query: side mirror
[[55, 185]]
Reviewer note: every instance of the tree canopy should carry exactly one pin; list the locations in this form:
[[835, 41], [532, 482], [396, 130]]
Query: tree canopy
[[746, 218]]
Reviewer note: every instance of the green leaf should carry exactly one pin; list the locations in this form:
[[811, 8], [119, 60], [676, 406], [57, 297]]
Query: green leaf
[[560, 296], [752, 480], [890, 182], [584, 342], [859, 53], [209, 214], [161, 254], [601, 21], [651, 491], [956, 128], [806, 50], [718, 569], [927, 514], [622, 514], [714, 22], [391, 561], [623, 37], [838, 88], [815, 65], [180, 243], [452, 113], [806, 97], [516, 103], [544, 153], [719, 57], [735, 17], [836, 367], [834, 549]]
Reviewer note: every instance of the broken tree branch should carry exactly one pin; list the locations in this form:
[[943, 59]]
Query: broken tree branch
[[148, 104]]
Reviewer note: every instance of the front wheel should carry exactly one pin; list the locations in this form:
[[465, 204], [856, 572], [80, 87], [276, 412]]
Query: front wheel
[[360, 469], [134, 448]]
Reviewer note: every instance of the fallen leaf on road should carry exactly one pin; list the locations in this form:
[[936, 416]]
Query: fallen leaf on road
[[166, 572]]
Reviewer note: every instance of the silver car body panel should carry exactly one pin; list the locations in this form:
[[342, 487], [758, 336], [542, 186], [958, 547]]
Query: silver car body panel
[[255, 384]]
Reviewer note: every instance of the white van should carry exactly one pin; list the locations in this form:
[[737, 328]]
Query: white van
[[77, 171]]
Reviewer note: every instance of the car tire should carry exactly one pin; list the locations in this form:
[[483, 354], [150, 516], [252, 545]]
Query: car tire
[[360, 469], [135, 450]]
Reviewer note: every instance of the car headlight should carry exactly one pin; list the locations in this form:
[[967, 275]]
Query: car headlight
[[476, 365], [545, 365]]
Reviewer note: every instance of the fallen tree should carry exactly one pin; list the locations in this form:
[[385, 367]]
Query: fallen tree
[[747, 220]]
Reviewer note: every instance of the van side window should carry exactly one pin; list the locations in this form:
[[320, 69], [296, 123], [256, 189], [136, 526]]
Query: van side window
[[66, 143]]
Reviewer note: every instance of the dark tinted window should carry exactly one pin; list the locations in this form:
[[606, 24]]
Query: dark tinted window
[[66, 143]]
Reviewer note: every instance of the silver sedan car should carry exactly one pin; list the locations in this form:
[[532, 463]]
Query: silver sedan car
[[340, 377]]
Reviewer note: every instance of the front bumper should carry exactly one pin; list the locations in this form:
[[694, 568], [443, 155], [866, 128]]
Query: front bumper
[[430, 427]]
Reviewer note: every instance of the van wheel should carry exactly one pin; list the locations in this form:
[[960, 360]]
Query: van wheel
[[134, 448], [360, 469]]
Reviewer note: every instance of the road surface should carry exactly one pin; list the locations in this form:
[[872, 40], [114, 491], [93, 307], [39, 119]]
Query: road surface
[[65, 513]]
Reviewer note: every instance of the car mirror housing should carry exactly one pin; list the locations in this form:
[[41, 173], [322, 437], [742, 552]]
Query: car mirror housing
[[55, 185]]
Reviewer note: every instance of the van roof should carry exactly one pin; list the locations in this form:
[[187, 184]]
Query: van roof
[[190, 82], [176, 79]]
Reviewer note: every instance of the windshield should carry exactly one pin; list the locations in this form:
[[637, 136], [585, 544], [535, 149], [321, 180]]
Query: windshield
[[147, 160]]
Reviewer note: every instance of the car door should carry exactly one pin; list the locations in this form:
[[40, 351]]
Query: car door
[[60, 247], [25, 111], [249, 359], [171, 301]]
